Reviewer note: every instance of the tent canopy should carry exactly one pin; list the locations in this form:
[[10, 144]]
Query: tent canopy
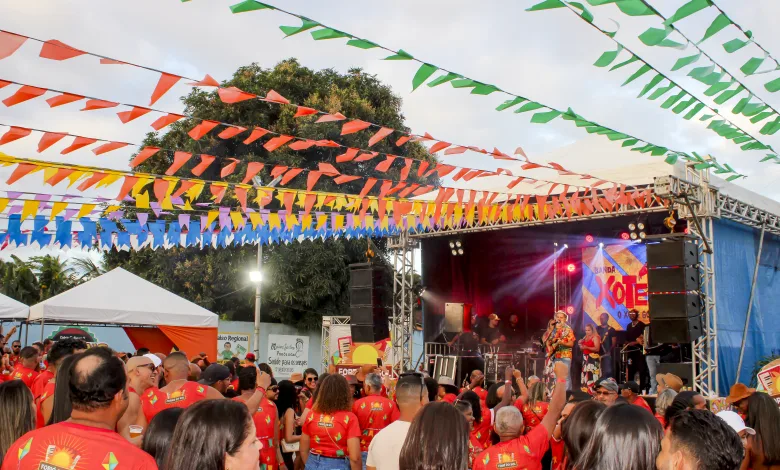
[[11, 309]]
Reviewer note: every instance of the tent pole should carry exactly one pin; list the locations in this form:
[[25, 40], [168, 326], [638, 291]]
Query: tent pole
[[750, 302], [42, 322], [257, 300]]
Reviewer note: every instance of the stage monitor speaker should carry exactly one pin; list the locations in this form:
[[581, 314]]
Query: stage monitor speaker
[[676, 251], [369, 333], [676, 279], [453, 317], [676, 330], [683, 370], [680, 305]]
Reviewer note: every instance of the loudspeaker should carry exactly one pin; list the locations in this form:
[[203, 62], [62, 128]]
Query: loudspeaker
[[673, 306], [368, 315], [369, 285], [683, 370], [676, 330], [676, 279], [370, 333], [676, 251], [369, 296]]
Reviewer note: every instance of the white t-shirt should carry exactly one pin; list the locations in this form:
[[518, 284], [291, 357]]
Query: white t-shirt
[[384, 451]]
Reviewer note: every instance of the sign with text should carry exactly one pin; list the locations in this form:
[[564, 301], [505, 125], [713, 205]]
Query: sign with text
[[232, 345], [614, 280], [288, 354], [769, 379], [353, 369]]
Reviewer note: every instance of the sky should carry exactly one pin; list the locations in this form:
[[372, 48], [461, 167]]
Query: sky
[[546, 56]]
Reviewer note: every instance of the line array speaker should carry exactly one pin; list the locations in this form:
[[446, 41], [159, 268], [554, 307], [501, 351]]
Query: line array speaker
[[370, 302]]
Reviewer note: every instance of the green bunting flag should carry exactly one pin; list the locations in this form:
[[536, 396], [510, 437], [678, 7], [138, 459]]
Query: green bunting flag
[[608, 57], [509, 103], [293, 30], [400, 55], [545, 117], [362, 44], [629, 7], [685, 61], [718, 24], [249, 5], [443, 79], [586, 14], [687, 10], [423, 73], [736, 44], [547, 5], [752, 65], [328, 33]]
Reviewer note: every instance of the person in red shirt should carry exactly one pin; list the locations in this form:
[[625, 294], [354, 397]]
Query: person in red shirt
[[630, 392], [331, 434], [310, 381], [141, 376], [532, 405], [43, 387], [265, 418], [25, 368], [374, 412], [556, 440], [519, 451], [87, 439], [476, 380], [16, 348]]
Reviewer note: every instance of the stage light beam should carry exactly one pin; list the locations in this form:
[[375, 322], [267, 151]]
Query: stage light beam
[[565, 246], [570, 310], [625, 236], [571, 267]]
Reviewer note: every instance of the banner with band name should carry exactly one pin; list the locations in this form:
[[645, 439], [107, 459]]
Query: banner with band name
[[614, 280]]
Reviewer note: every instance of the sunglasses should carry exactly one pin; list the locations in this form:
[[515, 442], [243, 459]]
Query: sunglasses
[[273, 388], [605, 393], [311, 379]]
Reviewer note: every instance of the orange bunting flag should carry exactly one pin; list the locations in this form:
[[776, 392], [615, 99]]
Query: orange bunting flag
[[14, 133], [4, 83], [98, 104], [163, 85], [326, 143], [143, 155], [257, 132], [397, 188], [62, 99], [304, 111], [557, 166], [110, 62], [78, 142], [347, 156], [380, 134], [366, 156], [439, 146], [61, 174], [499, 155], [520, 151], [407, 167], [530, 166], [311, 179], [331, 118], [354, 126], [207, 81], [408, 190], [185, 186], [290, 175], [165, 121], [23, 94], [179, 159], [386, 185], [218, 191], [345, 179], [160, 188], [252, 169], [278, 171], [205, 161], [370, 182], [56, 50], [10, 43], [402, 140], [277, 142], [382, 167], [302, 144], [202, 129], [231, 131], [127, 185], [515, 182], [460, 174], [229, 168], [455, 150], [48, 139], [108, 147], [91, 181], [422, 168], [232, 95], [241, 196], [21, 170], [308, 203], [288, 201], [276, 97], [135, 113], [444, 170], [328, 169]]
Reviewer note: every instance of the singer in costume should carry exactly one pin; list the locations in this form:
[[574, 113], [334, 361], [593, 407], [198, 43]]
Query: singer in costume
[[558, 341]]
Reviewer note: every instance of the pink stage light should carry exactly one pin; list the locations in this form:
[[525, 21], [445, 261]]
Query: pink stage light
[[570, 310], [571, 267], [625, 236], [589, 238]]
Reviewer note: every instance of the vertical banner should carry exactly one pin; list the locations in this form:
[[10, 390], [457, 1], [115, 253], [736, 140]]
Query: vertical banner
[[288, 354], [232, 345], [614, 280], [340, 341]]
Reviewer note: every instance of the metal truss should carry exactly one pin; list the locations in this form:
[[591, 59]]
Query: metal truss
[[734, 209], [402, 322], [327, 322], [561, 281]]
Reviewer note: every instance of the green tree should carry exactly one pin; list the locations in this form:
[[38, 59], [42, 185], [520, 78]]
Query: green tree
[[54, 275], [86, 269], [18, 281], [303, 281]]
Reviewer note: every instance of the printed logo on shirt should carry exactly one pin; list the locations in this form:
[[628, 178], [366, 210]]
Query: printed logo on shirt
[[175, 397], [326, 421], [110, 462], [506, 460], [377, 406], [59, 458]]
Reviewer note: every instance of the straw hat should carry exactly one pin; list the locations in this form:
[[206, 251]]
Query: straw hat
[[739, 392], [670, 381]]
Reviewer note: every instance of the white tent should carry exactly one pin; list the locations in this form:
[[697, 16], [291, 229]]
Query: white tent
[[10, 309], [120, 297]]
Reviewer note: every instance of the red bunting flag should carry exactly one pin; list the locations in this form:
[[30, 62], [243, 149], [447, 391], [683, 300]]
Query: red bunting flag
[[56, 50], [48, 139], [331, 118], [229, 168], [143, 155], [21, 170], [292, 173], [78, 142], [385, 165], [515, 182], [345, 179], [380, 134], [23, 94], [455, 150], [14, 133], [370, 182], [4, 83], [205, 161], [396, 188], [98, 104], [185, 186], [530, 166], [218, 191], [241, 196], [278, 170], [311, 179], [277, 142], [288, 201], [91, 181], [110, 62], [386, 185], [328, 169], [460, 174], [165, 83], [10, 43], [439, 146], [347, 156], [127, 185], [421, 169], [275, 97], [61, 174], [257, 132], [405, 170], [520, 151], [231, 131], [252, 169], [308, 203], [304, 111], [202, 129], [108, 147], [179, 159], [366, 156], [232, 95], [207, 81], [408, 190], [354, 126], [135, 113], [62, 99], [402, 140], [302, 144], [165, 121]]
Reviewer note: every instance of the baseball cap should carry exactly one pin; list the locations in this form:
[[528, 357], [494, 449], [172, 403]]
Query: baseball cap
[[631, 385], [608, 384], [137, 361], [155, 360], [213, 374], [251, 356], [735, 422]]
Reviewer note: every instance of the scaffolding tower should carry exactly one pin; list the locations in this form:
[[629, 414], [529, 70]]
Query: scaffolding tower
[[402, 322]]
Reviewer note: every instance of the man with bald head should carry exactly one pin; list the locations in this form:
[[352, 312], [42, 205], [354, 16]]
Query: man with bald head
[[141, 376], [524, 451], [98, 393], [195, 371]]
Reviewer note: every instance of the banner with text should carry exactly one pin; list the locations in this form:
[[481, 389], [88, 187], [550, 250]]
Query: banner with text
[[232, 345], [288, 354]]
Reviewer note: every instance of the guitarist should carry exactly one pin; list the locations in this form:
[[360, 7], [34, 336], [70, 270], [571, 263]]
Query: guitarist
[[559, 340]]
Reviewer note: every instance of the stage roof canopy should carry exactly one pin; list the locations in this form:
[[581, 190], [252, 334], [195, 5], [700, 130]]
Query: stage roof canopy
[[11, 309]]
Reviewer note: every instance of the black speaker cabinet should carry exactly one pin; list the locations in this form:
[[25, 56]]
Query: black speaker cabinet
[[370, 333], [676, 330], [683, 370], [681, 305], [676, 279], [366, 314], [369, 296], [368, 275], [672, 252]]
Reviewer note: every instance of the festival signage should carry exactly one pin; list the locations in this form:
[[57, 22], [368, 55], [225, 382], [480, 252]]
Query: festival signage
[[769, 379], [73, 332], [614, 280], [359, 371], [232, 345], [288, 354]]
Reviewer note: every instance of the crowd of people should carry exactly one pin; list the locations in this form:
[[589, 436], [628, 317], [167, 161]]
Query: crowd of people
[[66, 406]]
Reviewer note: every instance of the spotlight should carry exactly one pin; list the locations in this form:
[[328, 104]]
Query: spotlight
[[640, 226], [555, 243], [632, 226], [571, 267], [625, 236], [687, 231], [460, 251], [565, 246], [601, 245], [589, 238], [454, 253], [458, 244], [570, 310], [642, 235], [452, 244], [634, 236]]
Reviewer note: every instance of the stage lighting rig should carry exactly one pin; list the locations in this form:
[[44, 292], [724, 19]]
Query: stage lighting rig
[[571, 267], [682, 193], [456, 248], [589, 238], [565, 245], [638, 230]]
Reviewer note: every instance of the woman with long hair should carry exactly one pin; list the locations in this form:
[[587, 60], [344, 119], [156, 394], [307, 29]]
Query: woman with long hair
[[466, 406], [535, 408], [625, 437], [157, 437], [764, 418], [662, 403], [558, 343], [265, 416], [577, 429], [480, 429], [61, 408], [437, 440], [214, 435], [17, 413], [590, 346], [330, 438], [287, 408]]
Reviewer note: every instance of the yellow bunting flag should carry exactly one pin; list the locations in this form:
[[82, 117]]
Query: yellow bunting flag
[[3, 203], [30, 209], [236, 218], [57, 207], [85, 210], [255, 218], [273, 221], [142, 200], [211, 218], [321, 221]]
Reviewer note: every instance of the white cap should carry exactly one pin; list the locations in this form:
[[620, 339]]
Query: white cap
[[735, 422], [155, 360]]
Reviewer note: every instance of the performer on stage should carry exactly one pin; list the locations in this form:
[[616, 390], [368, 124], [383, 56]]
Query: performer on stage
[[558, 341], [590, 345], [636, 363], [491, 334], [513, 331], [608, 337], [466, 347]]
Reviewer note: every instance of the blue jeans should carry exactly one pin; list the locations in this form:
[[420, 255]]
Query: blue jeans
[[652, 367], [566, 361], [365, 456], [318, 462]]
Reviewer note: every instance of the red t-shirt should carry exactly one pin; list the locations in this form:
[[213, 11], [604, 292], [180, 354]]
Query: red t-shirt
[[532, 415], [309, 403], [640, 402], [450, 398], [66, 445], [475, 448], [661, 420], [24, 374], [481, 430], [155, 400], [557, 448], [40, 382], [328, 434], [265, 423], [374, 413], [525, 452], [48, 391]]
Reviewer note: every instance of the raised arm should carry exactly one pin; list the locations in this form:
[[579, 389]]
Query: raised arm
[[558, 400], [507, 398]]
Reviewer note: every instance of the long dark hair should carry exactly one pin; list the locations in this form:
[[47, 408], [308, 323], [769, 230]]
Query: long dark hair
[[683, 401], [537, 393], [16, 416], [492, 399], [578, 427], [626, 437], [287, 397], [207, 432], [157, 439], [333, 395], [764, 417], [433, 388], [476, 408], [62, 406], [450, 449]]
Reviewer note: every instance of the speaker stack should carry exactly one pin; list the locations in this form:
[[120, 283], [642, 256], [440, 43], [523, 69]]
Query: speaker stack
[[370, 301], [673, 285]]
